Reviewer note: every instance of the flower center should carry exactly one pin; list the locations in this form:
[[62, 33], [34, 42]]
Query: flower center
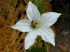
[[35, 24]]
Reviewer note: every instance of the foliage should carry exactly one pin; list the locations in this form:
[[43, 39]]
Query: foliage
[[37, 49], [40, 5]]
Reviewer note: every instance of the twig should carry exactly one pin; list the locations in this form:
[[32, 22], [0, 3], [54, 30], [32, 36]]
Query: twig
[[61, 48]]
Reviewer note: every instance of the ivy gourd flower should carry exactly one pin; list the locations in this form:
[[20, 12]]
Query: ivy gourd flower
[[37, 25]]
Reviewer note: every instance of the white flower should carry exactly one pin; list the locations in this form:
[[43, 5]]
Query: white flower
[[37, 25]]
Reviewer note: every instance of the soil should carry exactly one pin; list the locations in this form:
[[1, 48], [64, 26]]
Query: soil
[[62, 26]]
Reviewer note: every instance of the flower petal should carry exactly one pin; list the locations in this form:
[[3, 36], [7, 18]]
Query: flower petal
[[23, 25], [30, 39], [23, 22], [49, 18], [47, 35], [22, 28], [32, 11]]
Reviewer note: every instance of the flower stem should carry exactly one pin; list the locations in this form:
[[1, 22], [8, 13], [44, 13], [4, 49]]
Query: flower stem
[[47, 46], [38, 40], [48, 1]]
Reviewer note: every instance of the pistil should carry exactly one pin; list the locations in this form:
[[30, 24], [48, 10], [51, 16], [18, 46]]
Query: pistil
[[34, 24]]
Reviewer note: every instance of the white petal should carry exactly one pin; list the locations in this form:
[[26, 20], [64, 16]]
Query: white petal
[[49, 18], [15, 27], [30, 39], [32, 11], [23, 25], [25, 28], [23, 22], [47, 35]]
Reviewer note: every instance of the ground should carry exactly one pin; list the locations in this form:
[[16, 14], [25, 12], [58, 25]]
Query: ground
[[62, 26]]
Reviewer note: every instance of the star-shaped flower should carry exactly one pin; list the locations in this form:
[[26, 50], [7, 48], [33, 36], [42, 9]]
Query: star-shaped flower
[[37, 25]]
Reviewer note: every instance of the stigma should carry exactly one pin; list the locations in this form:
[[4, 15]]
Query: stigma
[[34, 24]]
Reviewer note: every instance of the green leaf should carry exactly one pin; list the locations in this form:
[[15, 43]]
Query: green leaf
[[40, 5], [37, 49]]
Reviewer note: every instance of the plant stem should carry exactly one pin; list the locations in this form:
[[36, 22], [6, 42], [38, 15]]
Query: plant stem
[[47, 46], [38, 40], [48, 1]]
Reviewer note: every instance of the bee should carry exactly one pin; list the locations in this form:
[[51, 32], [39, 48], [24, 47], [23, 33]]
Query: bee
[[33, 25]]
